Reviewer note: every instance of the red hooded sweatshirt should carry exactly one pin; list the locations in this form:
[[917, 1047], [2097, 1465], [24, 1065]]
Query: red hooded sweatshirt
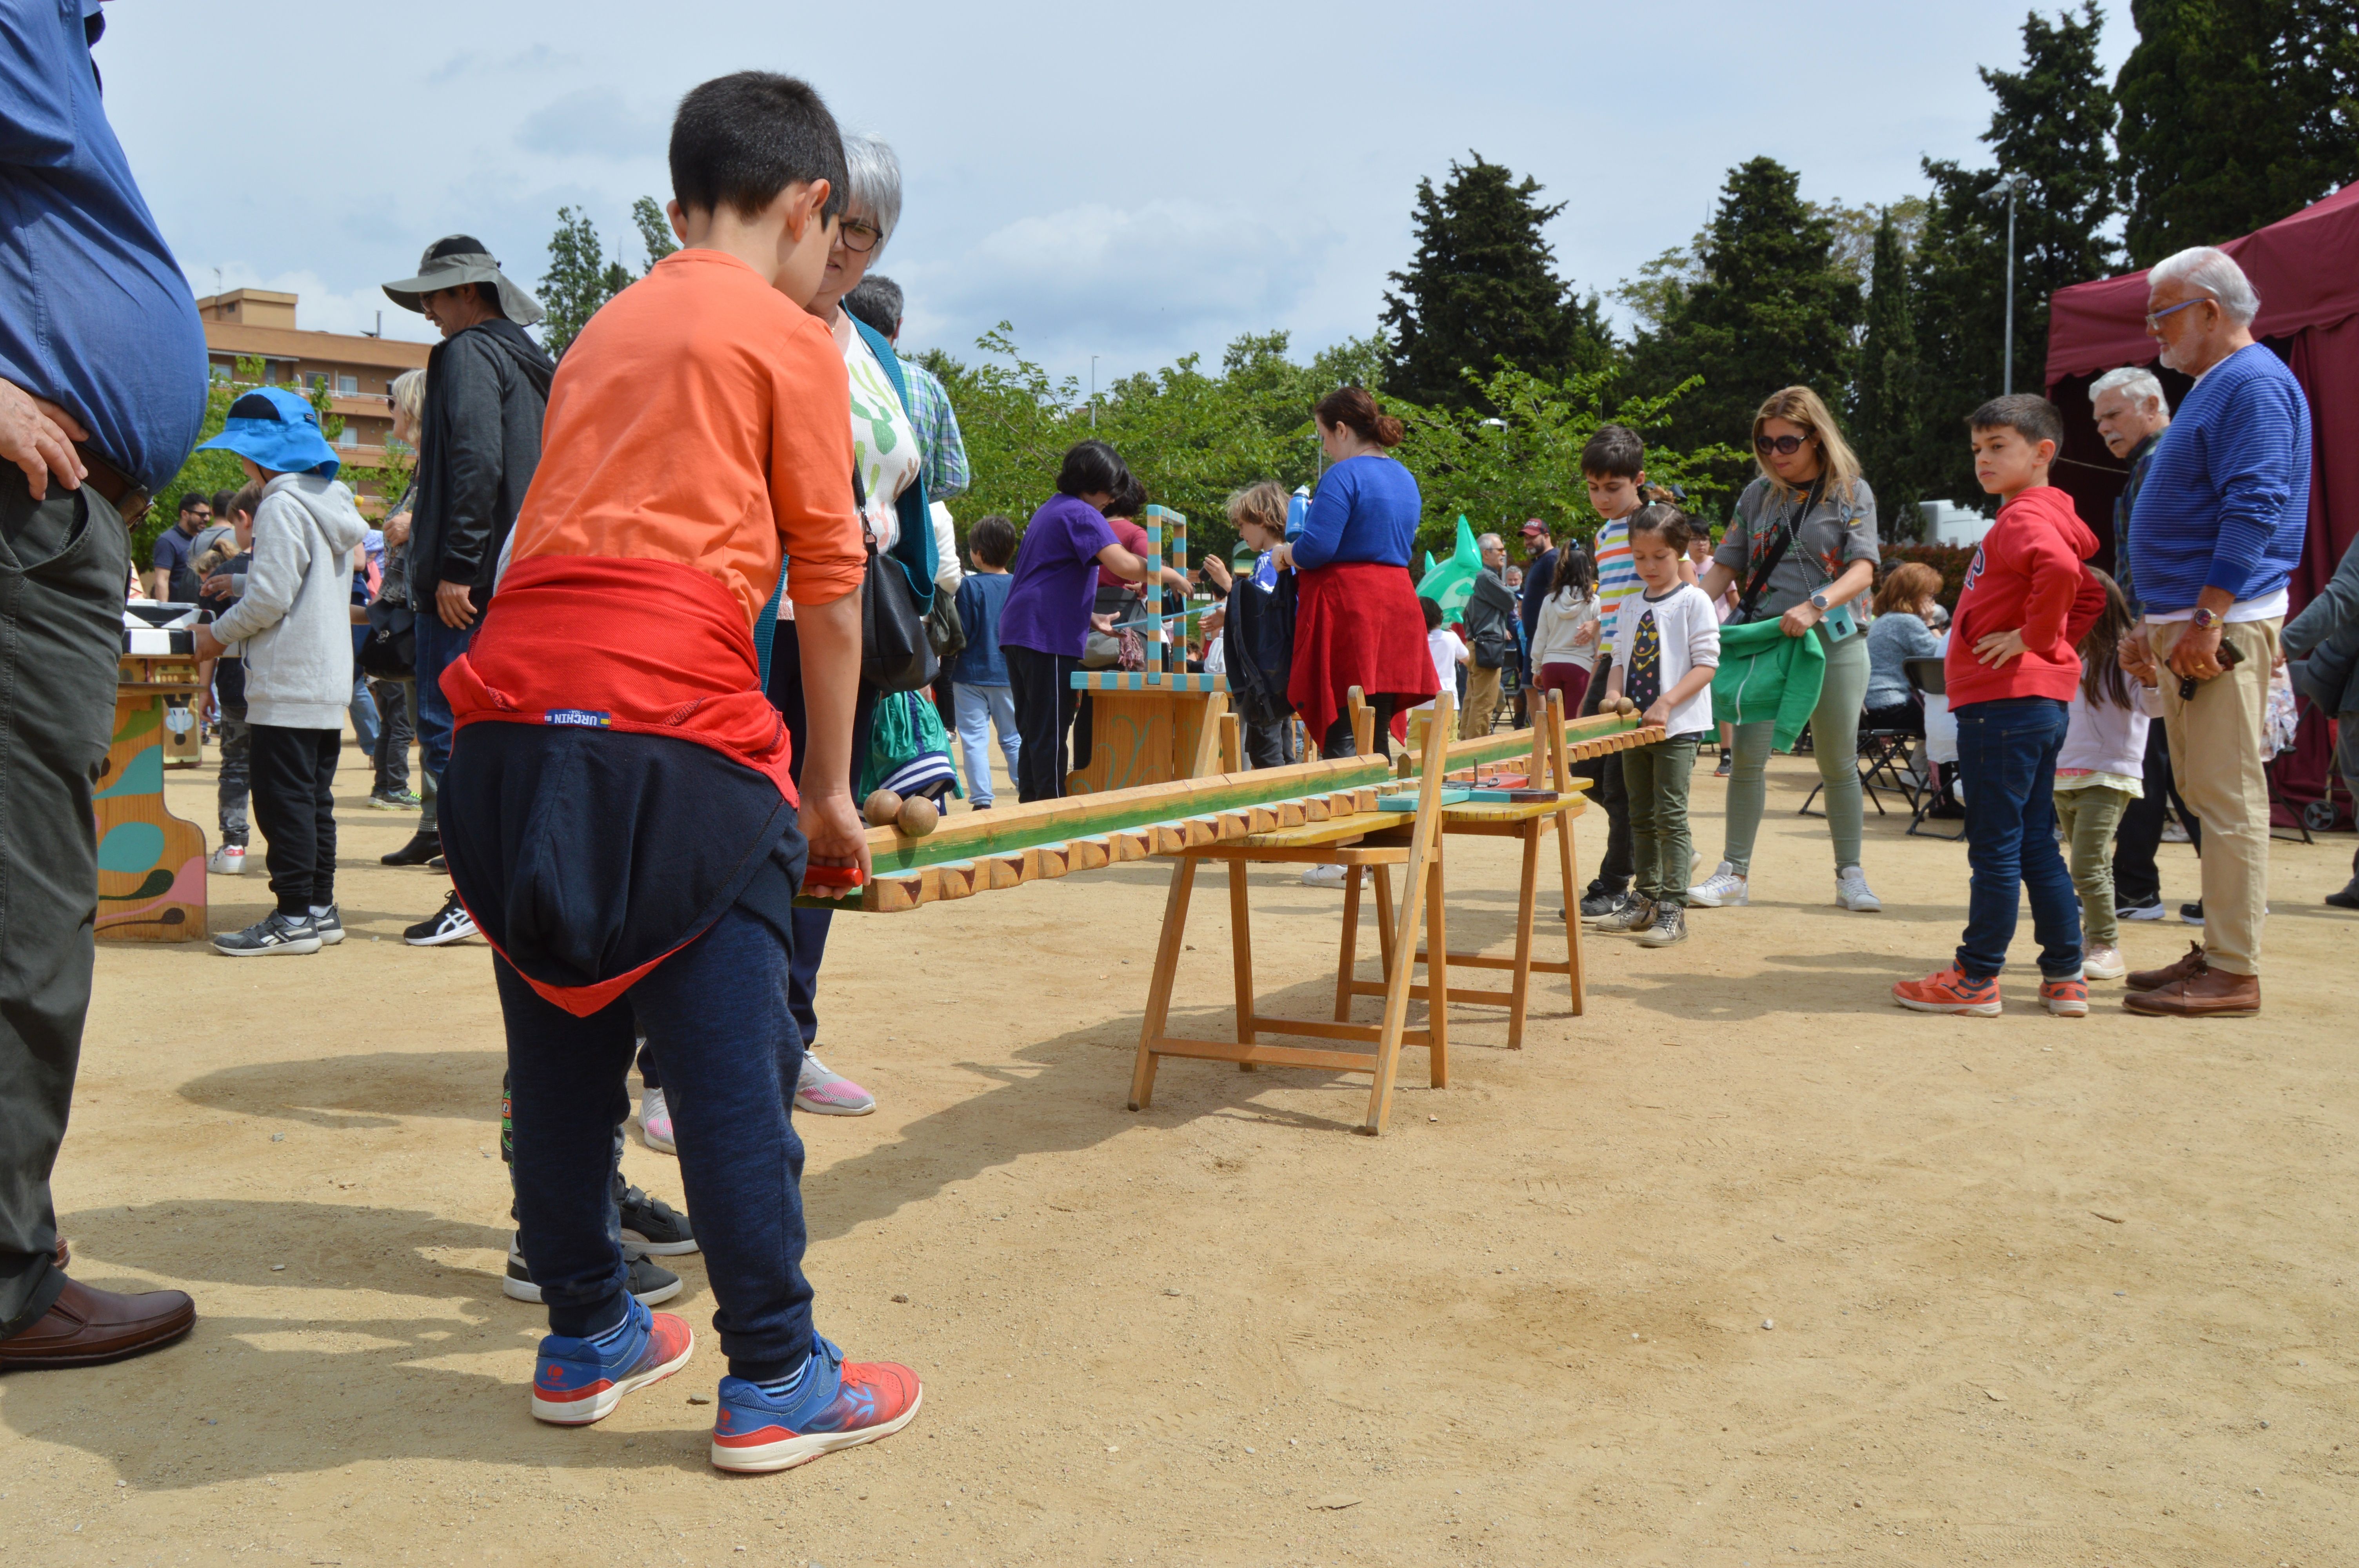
[[2027, 574]]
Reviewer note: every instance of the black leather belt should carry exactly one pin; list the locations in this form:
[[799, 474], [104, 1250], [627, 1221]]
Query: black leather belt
[[125, 495]]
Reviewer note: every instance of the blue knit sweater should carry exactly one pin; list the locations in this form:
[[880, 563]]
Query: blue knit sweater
[[2226, 503]]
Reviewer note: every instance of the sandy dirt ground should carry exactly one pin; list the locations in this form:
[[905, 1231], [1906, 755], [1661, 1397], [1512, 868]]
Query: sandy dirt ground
[[2043, 1292]]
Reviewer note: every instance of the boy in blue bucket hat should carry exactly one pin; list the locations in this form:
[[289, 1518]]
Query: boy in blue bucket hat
[[295, 625]]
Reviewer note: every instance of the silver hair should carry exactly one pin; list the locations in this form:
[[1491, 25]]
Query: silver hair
[[2135, 380], [408, 391], [873, 181], [2217, 274]]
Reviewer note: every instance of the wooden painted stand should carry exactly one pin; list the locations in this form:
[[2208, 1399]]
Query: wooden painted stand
[[151, 864], [1526, 822], [1354, 842], [1153, 725]]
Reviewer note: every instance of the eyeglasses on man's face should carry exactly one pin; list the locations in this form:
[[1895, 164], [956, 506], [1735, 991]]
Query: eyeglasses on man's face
[[1784, 446], [858, 235], [2154, 318]]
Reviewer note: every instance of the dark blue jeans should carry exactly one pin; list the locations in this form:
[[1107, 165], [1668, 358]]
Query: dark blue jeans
[[439, 646], [2006, 761], [811, 925], [716, 1012]]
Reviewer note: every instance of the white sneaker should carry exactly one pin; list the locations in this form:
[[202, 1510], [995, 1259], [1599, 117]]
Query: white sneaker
[[2101, 963], [229, 860], [1851, 892], [1324, 877], [1726, 888], [655, 1123], [822, 1093]]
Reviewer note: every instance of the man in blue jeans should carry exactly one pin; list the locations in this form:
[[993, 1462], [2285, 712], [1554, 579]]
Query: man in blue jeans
[[478, 443]]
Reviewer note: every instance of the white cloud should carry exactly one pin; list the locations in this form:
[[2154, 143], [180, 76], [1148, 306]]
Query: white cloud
[[319, 307], [593, 122]]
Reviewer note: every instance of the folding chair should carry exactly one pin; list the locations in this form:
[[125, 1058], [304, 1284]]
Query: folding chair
[[1928, 677], [1873, 757]]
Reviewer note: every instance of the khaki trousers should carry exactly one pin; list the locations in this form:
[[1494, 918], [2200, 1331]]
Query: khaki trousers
[[1482, 702], [2216, 754]]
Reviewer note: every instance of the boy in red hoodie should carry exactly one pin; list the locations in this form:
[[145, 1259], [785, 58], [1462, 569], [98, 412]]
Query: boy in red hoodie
[[2011, 666]]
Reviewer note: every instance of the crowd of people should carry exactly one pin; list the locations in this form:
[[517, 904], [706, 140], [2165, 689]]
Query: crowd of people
[[647, 613]]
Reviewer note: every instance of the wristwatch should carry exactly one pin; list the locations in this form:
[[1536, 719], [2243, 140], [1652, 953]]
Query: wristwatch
[[1819, 602], [2204, 619]]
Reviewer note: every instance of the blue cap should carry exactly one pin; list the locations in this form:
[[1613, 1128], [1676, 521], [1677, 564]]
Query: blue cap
[[278, 430]]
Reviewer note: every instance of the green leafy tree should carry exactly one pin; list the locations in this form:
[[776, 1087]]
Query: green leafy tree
[[580, 278], [1482, 290], [1525, 461], [209, 473], [2234, 113], [1885, 394], [655, 230], [1770, 308]]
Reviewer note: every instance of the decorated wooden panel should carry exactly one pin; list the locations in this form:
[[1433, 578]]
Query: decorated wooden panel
[[151, 864]]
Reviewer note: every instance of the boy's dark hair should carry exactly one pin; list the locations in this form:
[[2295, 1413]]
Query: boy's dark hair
[[993, 540], [2028, 414], [739, 140], [1130, 500], [1091, 467], [1614, 452], [1432, 609], [878, 301], [1671, 525]]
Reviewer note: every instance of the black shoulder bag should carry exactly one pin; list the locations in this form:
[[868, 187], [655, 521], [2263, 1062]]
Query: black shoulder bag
[[895, 654], [1790, 530]]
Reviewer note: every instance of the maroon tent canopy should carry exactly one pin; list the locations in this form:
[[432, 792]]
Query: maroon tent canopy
[[2306, 270]]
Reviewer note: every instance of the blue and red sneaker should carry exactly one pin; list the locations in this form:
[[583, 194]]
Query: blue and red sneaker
[[580, 1380], [841, 1404]]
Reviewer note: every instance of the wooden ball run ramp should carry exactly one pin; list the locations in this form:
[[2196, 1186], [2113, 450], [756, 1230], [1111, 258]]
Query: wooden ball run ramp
[[151, 864]]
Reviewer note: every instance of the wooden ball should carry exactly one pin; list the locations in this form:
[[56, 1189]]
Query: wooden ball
[[919, 816], [881, 808], [1624, 705]]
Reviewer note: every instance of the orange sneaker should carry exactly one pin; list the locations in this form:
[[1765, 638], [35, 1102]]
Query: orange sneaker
[[2066, 999], [1951, 991]]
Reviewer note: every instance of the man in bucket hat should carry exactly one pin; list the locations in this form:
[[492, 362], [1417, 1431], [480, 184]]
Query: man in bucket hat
[[479, 440]]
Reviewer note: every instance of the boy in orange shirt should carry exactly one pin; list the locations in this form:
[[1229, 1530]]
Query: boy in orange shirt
[[619, 811]]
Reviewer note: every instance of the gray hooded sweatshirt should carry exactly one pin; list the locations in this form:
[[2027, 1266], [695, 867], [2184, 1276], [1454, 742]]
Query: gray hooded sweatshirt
[[295, 621]]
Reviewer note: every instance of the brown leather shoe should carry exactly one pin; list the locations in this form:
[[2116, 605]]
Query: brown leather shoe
[[2188, 966], [86, 1327], [2209, 993]]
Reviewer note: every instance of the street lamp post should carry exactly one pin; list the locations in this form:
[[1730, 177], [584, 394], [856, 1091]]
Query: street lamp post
[[2012, 184]]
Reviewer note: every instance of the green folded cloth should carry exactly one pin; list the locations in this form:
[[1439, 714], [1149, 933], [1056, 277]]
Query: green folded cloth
[[1764, 674]]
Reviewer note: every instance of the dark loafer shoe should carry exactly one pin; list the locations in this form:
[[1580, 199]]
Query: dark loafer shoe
[[2190, 965], [421, 848], [85, 1326]]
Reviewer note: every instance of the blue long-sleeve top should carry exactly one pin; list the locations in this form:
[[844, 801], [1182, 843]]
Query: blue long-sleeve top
[[1366, 510], [2226, 502]]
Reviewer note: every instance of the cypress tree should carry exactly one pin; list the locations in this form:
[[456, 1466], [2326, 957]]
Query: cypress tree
[[1772, 309], [2234, 113], [1482, 288], [1884, 396]]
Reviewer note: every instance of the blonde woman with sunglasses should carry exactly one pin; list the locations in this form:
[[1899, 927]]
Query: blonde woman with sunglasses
[[1801, 549]]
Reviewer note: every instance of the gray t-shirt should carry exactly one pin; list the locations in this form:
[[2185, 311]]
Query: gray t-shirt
[[1838, 531]]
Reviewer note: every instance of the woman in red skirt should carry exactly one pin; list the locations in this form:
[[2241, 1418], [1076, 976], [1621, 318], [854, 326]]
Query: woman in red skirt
[[1357, 620]]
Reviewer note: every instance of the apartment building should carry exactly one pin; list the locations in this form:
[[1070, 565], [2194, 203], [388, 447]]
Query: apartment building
[[357, 370]]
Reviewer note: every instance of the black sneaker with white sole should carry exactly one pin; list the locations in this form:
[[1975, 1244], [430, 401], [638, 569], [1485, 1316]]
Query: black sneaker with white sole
[[276, 933], [1597, 904], [651, 1285], [329, 924], [651, 1225], [453, 924]]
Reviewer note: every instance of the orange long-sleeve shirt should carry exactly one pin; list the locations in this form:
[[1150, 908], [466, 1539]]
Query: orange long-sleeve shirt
[[701, 418]]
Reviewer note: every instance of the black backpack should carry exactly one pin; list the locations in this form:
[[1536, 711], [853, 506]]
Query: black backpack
[[1257, 641]]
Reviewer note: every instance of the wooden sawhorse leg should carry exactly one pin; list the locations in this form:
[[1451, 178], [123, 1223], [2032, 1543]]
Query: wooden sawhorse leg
[[1240, 956], [1158, 991]]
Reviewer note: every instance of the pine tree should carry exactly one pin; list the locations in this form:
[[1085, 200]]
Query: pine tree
[[2054, 125], [655, 230], [579, 279], [1771, 309], [1482, 288], [1885, 395], [2234, 113]]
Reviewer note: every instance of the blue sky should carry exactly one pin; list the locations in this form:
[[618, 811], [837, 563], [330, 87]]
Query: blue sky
[[1125, 182]]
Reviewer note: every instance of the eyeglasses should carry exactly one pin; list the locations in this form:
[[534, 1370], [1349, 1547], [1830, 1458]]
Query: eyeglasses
[[859, 235], [2154, 318], [1784, 446]]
